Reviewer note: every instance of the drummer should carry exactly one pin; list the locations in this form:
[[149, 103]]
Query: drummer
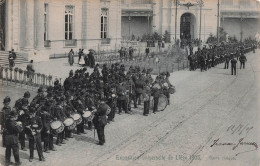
[[59, 115], [33, 131], [165, 85], [68, 110], [46, 117], [156, 91], [78, 105]]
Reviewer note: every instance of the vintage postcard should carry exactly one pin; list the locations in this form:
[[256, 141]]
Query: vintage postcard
[[129, 82]]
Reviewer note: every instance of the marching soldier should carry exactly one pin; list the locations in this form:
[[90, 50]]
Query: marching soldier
[[111, 101], [33, 131], [79, 106], [59, 115], [121, 100], [11, 139], [5, 113], [21, 105]]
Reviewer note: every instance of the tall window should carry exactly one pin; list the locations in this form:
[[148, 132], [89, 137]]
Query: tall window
[[104, 23], [69, 22], [45, 21]]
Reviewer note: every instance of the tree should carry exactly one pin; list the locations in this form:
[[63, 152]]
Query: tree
[[167, 37]]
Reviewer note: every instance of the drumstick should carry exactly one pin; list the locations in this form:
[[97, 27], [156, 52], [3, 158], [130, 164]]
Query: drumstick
[[94, 133]]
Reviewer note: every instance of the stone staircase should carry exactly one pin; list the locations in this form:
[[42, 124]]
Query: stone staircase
[[4, 58]]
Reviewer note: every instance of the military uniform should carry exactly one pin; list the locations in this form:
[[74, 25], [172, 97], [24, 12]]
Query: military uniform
[[11, 139], [121, 100], [5, 113], [100, 121], [21, 105], [33, 131], [111, 102]]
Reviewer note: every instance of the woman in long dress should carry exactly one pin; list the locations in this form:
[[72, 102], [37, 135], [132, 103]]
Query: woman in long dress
[[71, 57]]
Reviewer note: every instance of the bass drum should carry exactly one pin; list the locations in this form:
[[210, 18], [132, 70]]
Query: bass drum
[[162, 104], [57, 126]]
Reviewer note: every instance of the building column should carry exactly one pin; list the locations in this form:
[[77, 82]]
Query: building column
[[29, 25], [16, 25], [39, 19], [156, 15]]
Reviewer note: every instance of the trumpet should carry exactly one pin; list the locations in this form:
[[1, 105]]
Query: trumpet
[[19, 125]]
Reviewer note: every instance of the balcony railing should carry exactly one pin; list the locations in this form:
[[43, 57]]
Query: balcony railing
[[72, 42], [47, 43], [105, 41]]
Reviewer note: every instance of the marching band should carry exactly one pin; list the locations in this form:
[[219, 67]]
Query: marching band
[[84, 99]]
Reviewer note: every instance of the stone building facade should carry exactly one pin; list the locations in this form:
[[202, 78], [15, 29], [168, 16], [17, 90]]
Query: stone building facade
[[241, 14], [40, 28]]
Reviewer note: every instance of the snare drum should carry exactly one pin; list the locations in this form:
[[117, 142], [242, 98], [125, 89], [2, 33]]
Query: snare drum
[[69, 123], [77, 118], [57, 126], [87, 115], [172, 90]]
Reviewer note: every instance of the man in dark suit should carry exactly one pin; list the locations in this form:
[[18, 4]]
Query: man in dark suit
[[242, 60], [233, 66]]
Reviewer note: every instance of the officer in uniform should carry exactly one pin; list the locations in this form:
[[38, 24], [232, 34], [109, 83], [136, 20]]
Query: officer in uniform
[[100, 121], [5, 113], [11, 139], [33, 131]]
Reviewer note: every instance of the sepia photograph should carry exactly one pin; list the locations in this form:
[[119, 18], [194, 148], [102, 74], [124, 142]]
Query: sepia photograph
[[129, 82]]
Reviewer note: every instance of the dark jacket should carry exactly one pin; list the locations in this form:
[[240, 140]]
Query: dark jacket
[[100, 118], [11, 130]]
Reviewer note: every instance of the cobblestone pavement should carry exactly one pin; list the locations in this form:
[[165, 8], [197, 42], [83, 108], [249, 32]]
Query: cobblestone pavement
[[213, 119]]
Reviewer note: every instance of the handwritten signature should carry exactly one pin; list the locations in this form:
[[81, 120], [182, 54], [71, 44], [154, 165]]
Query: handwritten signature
[[235, 145], [237, 129]]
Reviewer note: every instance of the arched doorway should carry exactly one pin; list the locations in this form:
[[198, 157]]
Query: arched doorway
[[188, 27]]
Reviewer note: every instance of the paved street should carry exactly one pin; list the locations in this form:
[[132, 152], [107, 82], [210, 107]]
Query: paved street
[[213, 119]]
